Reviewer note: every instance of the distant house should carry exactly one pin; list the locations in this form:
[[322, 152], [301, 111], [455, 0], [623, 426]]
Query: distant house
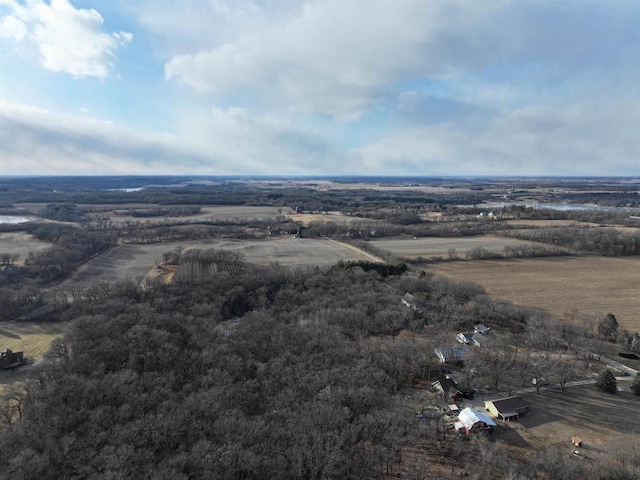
[[449, 387], [409, 300], [480, 328], [506, 408], [473, 421], [464, 337], [480, 340], [451, 354]]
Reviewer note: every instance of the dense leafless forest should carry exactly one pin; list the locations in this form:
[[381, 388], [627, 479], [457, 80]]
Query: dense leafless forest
[[228, 359]]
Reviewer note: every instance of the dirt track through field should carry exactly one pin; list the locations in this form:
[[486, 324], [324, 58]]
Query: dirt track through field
[[369, 256]]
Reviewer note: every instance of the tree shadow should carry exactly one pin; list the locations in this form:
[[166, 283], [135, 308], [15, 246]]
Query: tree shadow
[[510, 433], [7, 333], [536, 416]]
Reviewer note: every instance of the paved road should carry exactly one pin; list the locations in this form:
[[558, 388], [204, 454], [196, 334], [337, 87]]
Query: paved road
[[478, 401], [619, 366]]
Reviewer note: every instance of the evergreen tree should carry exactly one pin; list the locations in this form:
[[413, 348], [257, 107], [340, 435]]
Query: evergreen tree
[[607, 382], [635, 384]]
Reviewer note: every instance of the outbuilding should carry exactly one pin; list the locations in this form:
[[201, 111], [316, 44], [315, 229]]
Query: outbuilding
[[507, 408]]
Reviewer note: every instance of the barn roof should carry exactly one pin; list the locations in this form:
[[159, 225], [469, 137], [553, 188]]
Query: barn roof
[[508, 404], [469, 417]]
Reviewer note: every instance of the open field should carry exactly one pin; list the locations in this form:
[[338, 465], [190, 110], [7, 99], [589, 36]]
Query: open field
[[130, 261], [426, 247], [592, 285], [31, 338], [335, 217], [206, 213], [547, 223], [21, 243]]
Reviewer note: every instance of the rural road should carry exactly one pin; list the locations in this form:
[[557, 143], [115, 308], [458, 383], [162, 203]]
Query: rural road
[[478, 401], [619, 366]]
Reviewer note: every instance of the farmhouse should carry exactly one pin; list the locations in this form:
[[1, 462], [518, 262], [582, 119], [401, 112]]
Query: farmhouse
[[506, 408], [473, 421], [451, 354]]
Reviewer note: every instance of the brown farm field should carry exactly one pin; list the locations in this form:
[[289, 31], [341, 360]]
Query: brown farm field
[[330, 217], [594, 286], [21, 243], [207, 213], [410, 247], [129, 261], [548, 223]]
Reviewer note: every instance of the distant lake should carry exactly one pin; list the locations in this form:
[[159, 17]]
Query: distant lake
[[137, 189], [564, 206], [9, 219]]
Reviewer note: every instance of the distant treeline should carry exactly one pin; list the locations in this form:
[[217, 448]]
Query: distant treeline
[[585, 240]]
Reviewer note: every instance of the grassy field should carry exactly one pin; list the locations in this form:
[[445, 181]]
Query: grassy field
[[206, 213], [547, 223], [426, 247], [307, 218], [592, 285], [21, 243], [129, 261], [34, 339]]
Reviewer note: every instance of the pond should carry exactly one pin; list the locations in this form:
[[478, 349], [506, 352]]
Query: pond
[[10, 219]]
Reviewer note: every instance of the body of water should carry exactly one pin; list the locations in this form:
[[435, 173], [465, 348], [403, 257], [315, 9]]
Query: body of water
[[565, 206], [10, 219]]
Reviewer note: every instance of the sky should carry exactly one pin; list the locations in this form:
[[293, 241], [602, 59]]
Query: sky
[[338, 87]]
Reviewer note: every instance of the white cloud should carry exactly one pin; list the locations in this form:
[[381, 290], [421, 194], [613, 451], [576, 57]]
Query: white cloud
[[216, 141], [68, 40], [340, 58], [577, 139]]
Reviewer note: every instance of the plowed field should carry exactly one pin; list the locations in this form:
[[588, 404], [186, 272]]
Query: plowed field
[[593, 285], [426, 247]]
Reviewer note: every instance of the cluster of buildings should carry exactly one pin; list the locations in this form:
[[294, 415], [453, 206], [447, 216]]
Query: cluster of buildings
[[478, 338]]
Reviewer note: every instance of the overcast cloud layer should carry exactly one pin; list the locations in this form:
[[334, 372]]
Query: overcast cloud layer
[[371, 88]]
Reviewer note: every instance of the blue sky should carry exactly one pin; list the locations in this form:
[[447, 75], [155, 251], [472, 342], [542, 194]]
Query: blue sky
[[335, 87]]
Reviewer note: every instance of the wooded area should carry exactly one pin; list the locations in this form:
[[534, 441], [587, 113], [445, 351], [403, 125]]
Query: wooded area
[[240, 371]]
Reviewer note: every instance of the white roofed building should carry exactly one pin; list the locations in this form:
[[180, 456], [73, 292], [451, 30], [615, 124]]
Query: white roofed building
[[474, 421]]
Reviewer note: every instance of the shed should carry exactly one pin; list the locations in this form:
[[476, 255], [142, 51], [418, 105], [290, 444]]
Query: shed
[[480, 328], [506, 408]]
